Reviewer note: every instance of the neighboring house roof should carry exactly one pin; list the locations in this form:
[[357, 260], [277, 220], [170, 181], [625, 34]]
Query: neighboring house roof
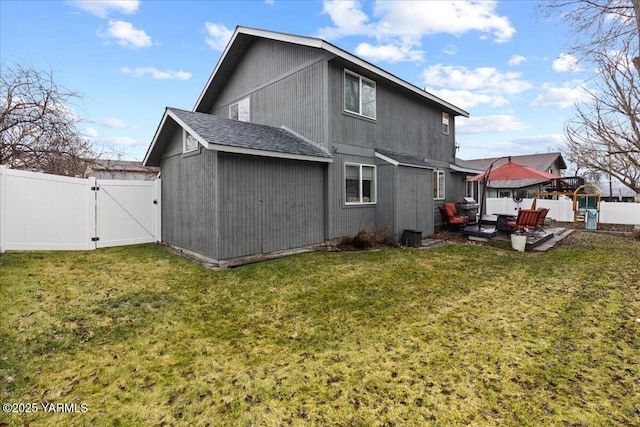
[[120, 169], [243, 37], [537, 161], [404, 160], [221, 134]]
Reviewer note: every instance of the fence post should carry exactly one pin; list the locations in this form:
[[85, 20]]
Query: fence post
[[92, 211], [3, 206], [157, 209]]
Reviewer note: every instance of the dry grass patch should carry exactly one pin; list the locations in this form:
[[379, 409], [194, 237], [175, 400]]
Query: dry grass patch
[[457, 335]]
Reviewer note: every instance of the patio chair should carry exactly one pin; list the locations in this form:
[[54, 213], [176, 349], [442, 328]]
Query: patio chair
[[450, 216], [527, 220], [541, 218]]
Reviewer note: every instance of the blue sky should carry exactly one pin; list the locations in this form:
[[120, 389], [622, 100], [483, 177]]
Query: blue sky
[[501, 61]]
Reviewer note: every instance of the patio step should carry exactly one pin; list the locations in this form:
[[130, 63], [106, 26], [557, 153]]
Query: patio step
[[550, 243]]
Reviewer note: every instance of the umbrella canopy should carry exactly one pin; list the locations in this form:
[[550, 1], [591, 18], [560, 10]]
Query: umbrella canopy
[[511, 171]]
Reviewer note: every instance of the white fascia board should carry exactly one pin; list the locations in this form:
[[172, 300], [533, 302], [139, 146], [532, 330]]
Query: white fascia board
[[215, 70], [397, 163], [188, 128], [387, 159], [264, 153], [465, 170], [155, 138]]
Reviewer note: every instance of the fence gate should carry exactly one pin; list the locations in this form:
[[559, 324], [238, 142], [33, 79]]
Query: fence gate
[[49, 212]]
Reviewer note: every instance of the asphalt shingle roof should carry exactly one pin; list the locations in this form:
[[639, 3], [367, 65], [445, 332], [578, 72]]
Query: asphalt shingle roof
[[233, 133]]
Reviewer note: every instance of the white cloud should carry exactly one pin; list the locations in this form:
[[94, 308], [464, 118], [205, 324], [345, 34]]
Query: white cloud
[[566, 63], [389, 53], [125, 34], [125, 141], [218, 36], [452, 17], [516, 60], [416, 19], [489, 124], [114, 123], [450, 49], [103, 8], [483, 85], [459, 77], [561, 96], [157, 74], [541, 143], [89, 133], [348, 17], [399, 26], [466, 99]]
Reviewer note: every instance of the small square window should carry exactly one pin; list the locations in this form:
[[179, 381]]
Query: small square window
[[359, 184], [190, 143], [240, 110], [445, 123]]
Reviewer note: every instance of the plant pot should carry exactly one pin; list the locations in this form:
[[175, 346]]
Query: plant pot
[[519, 242]]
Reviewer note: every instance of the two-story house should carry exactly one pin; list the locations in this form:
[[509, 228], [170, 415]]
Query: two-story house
[[295, 141]]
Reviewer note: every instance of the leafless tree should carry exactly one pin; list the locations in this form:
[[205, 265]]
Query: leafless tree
[[600, 25], [38, 128], [604, 135]]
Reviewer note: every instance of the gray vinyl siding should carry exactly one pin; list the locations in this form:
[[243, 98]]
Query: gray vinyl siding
[[189, 201], [415, 200], [269, 205], [406, 200], [404, 122], [387, 200], [348, 220], [285, 89]]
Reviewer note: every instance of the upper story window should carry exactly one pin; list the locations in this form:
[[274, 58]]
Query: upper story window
[[240, 110], [189, 142], [438, 185], [359, 184], [445, 123], [359, 95]]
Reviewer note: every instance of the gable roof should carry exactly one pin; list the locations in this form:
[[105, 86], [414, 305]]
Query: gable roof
[[243, 37], [221, 134], [537, 161]]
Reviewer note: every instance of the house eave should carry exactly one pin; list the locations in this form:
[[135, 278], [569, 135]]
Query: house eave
[[456, 168], [264, 153], [398, 163], [328, 47]]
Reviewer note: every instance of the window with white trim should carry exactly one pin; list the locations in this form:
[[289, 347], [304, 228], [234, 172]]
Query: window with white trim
[[470, 189], [189, 142], [359, 95], [359, 184], [438, 185], [240, 110], [445, 123]]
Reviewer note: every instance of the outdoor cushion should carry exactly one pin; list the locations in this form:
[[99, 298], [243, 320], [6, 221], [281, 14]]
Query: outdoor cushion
[[527, 219]]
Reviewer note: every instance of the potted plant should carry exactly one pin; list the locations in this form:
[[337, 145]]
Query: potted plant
[[519, 240]]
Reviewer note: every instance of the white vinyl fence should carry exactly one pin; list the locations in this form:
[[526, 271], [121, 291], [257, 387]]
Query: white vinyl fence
[[562, 210], [49, 212]]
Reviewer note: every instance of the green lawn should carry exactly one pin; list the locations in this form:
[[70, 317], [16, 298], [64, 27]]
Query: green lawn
[[456, 335]]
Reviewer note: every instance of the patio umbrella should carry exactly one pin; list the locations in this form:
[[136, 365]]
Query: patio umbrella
[[509, 175], [511, 171]]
